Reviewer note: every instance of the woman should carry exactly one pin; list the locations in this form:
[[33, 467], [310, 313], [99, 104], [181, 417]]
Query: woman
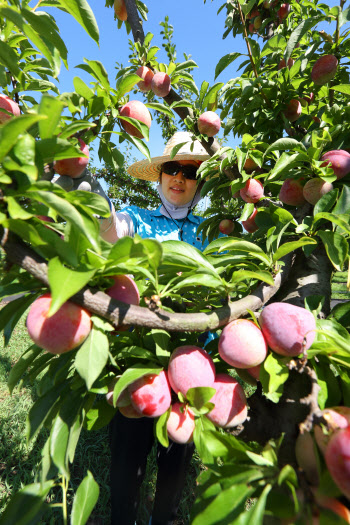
[[131, 439]]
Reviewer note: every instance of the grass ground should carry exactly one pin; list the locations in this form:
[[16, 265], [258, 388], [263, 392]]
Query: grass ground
[[19, 462]]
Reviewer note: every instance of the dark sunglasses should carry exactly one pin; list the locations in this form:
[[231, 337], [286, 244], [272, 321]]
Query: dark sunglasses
[[173, 168]]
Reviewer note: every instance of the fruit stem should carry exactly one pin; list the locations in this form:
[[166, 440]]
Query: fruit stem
[[36, 6], [64, 499]]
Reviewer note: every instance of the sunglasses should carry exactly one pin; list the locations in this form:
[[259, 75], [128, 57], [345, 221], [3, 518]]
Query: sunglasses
[[173, 168]]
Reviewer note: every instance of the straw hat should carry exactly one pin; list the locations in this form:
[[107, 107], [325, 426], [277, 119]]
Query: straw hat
[[191, 150]]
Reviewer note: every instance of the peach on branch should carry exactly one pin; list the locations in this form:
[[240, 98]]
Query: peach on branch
[[283, 12], [251, 28], [209, 123], [253, 191], [242, 344], [324, 69], [230, 402], [314, 189], [189, 367], [335, 418], [288, 329], [150, 395], [337, 459], [73, 167], [250, 165], [293, 110], [123, 402], [63, 331], [339, 162], [226, 226], [291, 192], [250, 225], [146, 74], [257, 22], [120, 10], [283, 64], [161, 84], [9, 105], [124, 289], [332, 504], [137, 110], [180, 425]]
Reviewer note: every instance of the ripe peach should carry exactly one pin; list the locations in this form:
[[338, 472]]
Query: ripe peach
[[306, 457], [283, 12], [226, 226], [63, 331], [283, 64], [9, 105], [254, 371], [137, 110], [291, 192], [189, 367], [314, 189], [161, 84], [253, 191], [120, 10], [146, 74], [180, 425], [150, 395], [242, 344], [293, 110], [324, 69], [285, 326], [339, 160], [336, 417], [73, 167], [130, 412], [209, 123], [332, 504], [230, 402], [337, 458], [250, 165], [124, 289], [250, 225]]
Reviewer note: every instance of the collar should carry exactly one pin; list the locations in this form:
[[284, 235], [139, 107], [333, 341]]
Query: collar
[[191, 217]]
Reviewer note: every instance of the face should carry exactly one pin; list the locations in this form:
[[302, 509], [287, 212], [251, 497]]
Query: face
[[178, 190]]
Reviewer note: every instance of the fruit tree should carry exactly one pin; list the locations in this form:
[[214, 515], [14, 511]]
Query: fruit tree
[[282, 200]]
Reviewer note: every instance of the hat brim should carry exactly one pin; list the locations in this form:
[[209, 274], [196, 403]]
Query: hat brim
[[146, 170]]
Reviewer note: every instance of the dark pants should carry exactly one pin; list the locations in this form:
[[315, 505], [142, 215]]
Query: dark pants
[[131, 441]]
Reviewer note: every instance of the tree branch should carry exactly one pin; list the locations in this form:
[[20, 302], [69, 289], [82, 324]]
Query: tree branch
[[121, 314]]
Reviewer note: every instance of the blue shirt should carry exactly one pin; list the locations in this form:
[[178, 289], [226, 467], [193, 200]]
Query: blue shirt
[[151, 224]]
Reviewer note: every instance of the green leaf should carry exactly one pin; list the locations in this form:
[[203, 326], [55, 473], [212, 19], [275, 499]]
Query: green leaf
[[242, 275], [211, 96], [140, 126], [340, 220], [65, 282], [139, 144], [83, 14], [27, 505], [233, 244], [20, 367], [65, 209], [41, 409], [51, 108], [9, 59], [247, 210], [92, 357], [256, 513], [161, 340], [185, 65], [298, 33], [336, 246], [99, 415], [10, 131], [11, 313], [199, 396], [288, 247], [75, 127], [160, 107], [161, 428], [286, 144], [342, 88], [82, 89], [85, 499], [224, 62], [273, 374], [58, 445], [176, 149], [326, 202], [181, 256], [343, 204], [126, 84]]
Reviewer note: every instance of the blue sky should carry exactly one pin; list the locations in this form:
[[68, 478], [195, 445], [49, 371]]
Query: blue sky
[[198, 31]]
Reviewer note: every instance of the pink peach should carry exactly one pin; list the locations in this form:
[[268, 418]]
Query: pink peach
[[291, 192], [209, 123], [190, 367], [146, 74], [161, 84], [337, 459], [253, 191], [250, 225], [150, 395], [137, 110], [73, 167], [242, 344], [9, 105], [339, 162], [314, 189], [230, 402], [324, 69], [180, 425]]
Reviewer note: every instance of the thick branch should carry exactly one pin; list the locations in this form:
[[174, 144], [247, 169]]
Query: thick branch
[[134, 21], [123, 314]]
